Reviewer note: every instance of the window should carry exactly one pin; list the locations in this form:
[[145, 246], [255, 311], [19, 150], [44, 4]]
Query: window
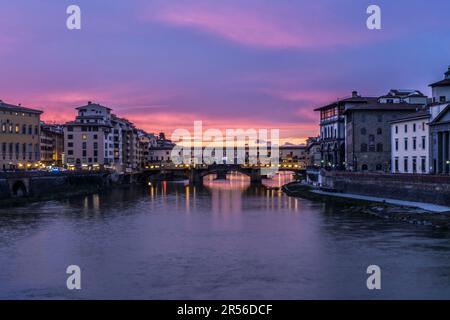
[[70, 152], [95, 145], [423, 126], [363, 147], [36, 130], [396, 144], [414, 127], [423, 143], [406, 128], [406, 144], [84, 153], [405, 164], [379, 147], [24, 129], [423, 164], [414, 143], [379, 131], [396, 164], [364, 167], [70, 129], [17, 129], [70, 144], [95, 137], [30, 130], [396, 129], [70, 136], [84, 145], [442, 99], [414, 164]]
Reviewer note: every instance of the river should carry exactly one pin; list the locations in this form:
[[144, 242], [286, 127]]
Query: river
[[226, 240]]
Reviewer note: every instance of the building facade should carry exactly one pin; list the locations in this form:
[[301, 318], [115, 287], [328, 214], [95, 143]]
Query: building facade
[[313, 152], [410, 143], [89, 139], [52, 144], [332, 134], [19, 137], [293, 154], [440, 126], [368, 131]]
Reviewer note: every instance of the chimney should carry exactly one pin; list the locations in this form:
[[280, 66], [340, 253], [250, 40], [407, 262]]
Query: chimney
[[89, 102], [354, 94]]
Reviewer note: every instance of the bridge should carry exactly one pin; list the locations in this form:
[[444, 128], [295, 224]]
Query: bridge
[[40, 183], [196, 173]]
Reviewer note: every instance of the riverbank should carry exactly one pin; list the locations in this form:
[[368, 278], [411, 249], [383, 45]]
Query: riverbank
[[23, 188], [366, 205]]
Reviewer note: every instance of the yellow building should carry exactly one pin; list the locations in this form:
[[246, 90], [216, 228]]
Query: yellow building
[[19, 137]]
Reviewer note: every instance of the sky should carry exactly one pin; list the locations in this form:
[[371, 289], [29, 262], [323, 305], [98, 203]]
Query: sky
[[230, 63]]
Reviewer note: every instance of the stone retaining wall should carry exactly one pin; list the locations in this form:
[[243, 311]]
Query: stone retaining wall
[[411, 187]]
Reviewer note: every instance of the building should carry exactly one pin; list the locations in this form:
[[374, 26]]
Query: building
[[160, 149], [52, 144], [19, 137], [290, 153], [332, 134], [313, 152], [410, 143], [126, 144], [368, 130], [89, 139], [441, 89], [440, 126], [404, 96]]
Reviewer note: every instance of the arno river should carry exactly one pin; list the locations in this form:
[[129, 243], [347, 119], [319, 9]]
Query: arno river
[[226, 240]]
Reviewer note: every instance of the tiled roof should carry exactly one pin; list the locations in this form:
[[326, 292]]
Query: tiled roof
[[385, 106]]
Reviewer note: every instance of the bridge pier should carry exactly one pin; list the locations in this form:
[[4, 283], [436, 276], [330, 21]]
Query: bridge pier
[[221, 175], [195, 177], [255, 176]]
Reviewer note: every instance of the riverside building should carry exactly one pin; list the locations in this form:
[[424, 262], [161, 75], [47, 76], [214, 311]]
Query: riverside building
[[19, 137]]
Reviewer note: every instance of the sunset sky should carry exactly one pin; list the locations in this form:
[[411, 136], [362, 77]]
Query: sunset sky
[[230, 63]]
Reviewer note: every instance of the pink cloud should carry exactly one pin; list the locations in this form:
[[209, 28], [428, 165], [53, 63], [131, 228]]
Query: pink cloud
[[258, 26]]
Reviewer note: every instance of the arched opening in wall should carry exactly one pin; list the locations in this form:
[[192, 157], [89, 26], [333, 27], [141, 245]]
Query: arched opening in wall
[[19, 189], [364, 167]]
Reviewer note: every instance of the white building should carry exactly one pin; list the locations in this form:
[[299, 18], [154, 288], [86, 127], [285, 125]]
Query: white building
[[441, 89], [98, 139], [410, 143]]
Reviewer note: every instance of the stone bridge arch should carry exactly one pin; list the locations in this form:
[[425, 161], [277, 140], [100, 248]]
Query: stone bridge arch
[[19, 187]]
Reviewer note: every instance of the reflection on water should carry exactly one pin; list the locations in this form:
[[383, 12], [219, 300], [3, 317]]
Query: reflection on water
[[225, 240]]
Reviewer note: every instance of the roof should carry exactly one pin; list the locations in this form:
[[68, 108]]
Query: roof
[[90, 104], [422, 114], [442, 83], [348, 99], [11, 107], [440, 115], [385, 107]]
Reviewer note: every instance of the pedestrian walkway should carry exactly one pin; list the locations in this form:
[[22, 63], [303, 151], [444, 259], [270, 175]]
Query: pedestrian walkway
[[422, 205]]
